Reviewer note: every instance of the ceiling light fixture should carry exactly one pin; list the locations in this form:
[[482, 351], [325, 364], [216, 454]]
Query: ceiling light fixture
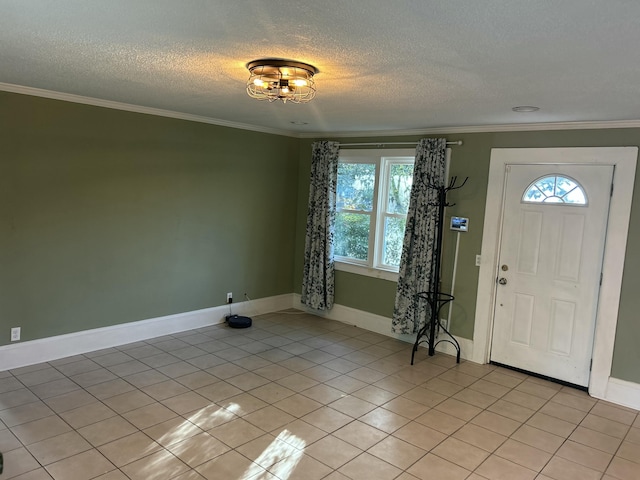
[[275, 79], [525, 109]]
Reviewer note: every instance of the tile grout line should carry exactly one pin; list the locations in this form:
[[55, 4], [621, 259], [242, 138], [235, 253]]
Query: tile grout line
[[342, 351]]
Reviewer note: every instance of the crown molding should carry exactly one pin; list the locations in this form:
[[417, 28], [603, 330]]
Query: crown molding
[[97, 102], [514, 127]]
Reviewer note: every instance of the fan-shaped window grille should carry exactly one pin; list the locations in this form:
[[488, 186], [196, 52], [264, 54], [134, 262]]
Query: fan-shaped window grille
[[555, 189]]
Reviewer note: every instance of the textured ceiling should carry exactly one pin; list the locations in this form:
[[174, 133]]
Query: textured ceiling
[[384, 66]]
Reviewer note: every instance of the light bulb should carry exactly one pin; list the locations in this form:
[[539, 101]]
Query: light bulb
[[300, 82], [258, 82]]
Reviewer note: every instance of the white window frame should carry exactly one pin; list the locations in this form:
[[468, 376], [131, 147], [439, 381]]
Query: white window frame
[[382, 159]]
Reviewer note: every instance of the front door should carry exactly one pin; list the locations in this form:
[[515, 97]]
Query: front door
[[549, 272]]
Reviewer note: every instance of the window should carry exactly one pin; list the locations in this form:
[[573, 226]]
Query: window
[[555, 189], [372, 200]]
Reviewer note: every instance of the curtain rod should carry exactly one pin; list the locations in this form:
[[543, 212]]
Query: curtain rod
[[459, 142]]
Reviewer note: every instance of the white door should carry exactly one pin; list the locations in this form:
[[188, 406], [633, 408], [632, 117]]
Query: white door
[[552, 242]]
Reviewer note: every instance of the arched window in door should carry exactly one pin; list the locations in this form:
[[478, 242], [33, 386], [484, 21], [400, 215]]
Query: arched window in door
[[555, 189]]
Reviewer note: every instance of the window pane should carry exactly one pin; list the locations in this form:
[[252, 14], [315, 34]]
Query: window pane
[[564, 186], [547, 185], [393, 239], [575, 196], [400, 181], [355, 186], [352, 235], [533, 195]]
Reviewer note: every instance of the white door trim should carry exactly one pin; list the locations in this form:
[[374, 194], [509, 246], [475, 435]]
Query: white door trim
[[624, 159]]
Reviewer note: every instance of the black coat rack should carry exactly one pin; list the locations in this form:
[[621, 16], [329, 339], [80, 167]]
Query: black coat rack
[[434, 300]]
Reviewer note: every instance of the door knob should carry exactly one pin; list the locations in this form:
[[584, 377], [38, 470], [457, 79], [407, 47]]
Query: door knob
[[502, 281]]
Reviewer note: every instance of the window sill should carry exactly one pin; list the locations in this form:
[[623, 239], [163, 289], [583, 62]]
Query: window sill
[[367, 271]]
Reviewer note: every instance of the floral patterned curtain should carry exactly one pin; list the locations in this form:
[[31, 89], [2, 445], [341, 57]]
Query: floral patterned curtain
[[416, 269], [318, 277]]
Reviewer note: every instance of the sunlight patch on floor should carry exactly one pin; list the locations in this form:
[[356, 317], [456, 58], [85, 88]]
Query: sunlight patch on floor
[[283, 453]]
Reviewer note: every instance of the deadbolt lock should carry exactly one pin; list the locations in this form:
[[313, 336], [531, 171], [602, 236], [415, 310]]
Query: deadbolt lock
[[504, 268]]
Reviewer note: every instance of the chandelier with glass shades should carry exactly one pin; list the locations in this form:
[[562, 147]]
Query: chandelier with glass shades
[[276, 79]]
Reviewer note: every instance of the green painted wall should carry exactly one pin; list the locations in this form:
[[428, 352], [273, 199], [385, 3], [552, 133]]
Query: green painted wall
[[109, 217], [472, 159]]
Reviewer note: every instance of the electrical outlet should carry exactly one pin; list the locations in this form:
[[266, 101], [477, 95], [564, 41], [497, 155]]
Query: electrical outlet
[[230, 297], [478, 260], [15, 334]]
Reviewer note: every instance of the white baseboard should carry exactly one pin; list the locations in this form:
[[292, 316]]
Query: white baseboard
[[618, 391], [52, 348], [382, 325], [17, 355], [623, 393]]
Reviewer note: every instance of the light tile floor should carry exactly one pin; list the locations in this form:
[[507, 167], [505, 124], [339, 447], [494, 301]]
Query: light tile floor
[[300, 397]]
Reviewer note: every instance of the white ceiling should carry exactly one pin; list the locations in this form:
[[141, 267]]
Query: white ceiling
[[384, 65]]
